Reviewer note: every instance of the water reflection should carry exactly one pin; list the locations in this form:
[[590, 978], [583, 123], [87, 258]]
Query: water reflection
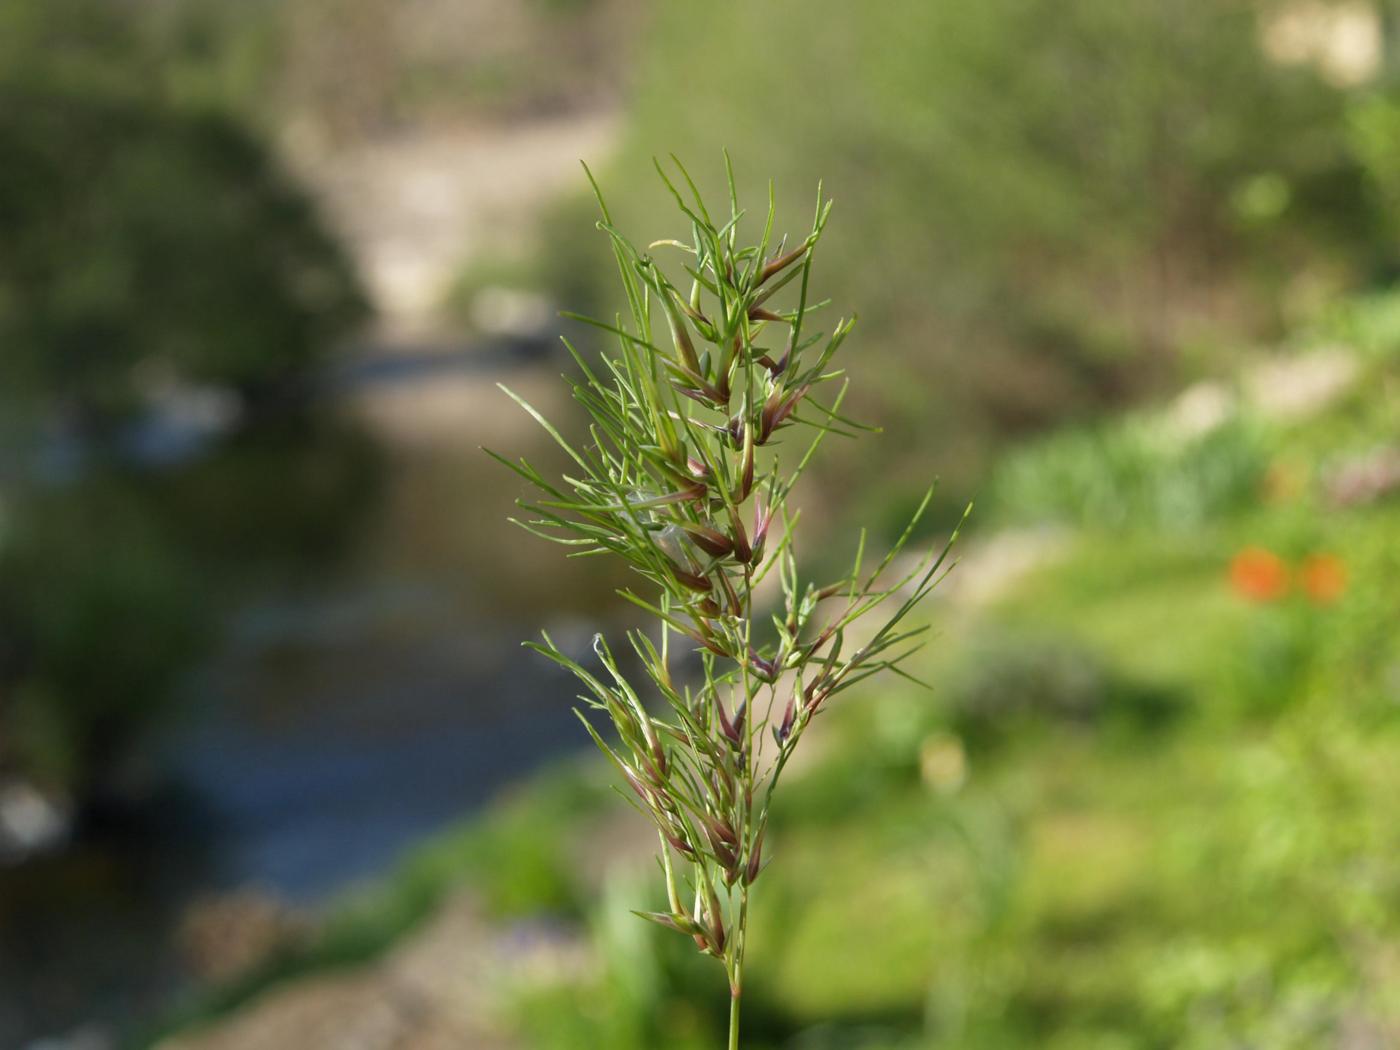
[[366, 688]]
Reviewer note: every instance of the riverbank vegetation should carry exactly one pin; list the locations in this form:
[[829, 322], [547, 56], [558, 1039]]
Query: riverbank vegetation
[[1138, 808], [1076, 205]]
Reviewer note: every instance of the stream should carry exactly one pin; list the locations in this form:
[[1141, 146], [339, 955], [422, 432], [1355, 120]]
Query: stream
[[340, 721]]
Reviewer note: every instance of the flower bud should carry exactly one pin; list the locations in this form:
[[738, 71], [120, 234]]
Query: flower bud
[[725, 855], [759, 313], [711, 541], [695, 582], [781, 263], [768, 415], [765, 668], [739, 539], [685, 349], [678, 921], [679, 842], [736, 607], [716, 916], [762, 519], [725, 725], [755, 857], [746, 474], [717, 938], [784, 729], [735, 429], [777, 409], [658, 753], [643, 792]]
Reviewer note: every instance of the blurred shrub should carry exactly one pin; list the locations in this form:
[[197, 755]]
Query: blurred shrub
[[643, 993], [1004, 679], [523, 867], [1299, 866], [1359, 657], [1374, 124], [145, 245], [1369, 324], [1140, 470], [1009, 680], [1267, 670], [325, 74], [151, 248], [99, 614]]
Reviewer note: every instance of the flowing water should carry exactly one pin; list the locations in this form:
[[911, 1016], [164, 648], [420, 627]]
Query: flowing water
[[342, 719]]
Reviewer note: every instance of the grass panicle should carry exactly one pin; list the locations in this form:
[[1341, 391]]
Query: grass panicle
[[685, 474]]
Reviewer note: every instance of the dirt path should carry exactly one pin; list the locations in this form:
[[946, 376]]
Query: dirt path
[[414, 209], [441, 988]]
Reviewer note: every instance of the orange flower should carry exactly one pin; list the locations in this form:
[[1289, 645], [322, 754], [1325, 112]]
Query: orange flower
[[1259, 575], [1324, 578]]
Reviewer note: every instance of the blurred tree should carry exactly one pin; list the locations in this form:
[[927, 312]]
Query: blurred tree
[[99, 613], [151, 247], [138, 240]]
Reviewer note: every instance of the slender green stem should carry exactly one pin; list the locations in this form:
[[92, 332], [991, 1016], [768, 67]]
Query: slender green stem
[[740, 922], [735, 994]]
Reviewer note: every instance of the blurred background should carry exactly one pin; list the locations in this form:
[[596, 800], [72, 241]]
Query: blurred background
[[273, 771]]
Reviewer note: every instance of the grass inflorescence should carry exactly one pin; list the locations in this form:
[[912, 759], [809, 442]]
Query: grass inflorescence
[[685, 473]]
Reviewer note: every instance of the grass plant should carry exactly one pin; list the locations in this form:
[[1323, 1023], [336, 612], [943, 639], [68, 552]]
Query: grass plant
[[721, 391]]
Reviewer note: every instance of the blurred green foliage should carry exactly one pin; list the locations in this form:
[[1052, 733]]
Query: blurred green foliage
[[1132, 471], [1045, 208], [98, 614], [152, 247], [1138, 810], [139, 233], [1227, 880], [1041, 205], [1374, 126], [1012, 682]]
